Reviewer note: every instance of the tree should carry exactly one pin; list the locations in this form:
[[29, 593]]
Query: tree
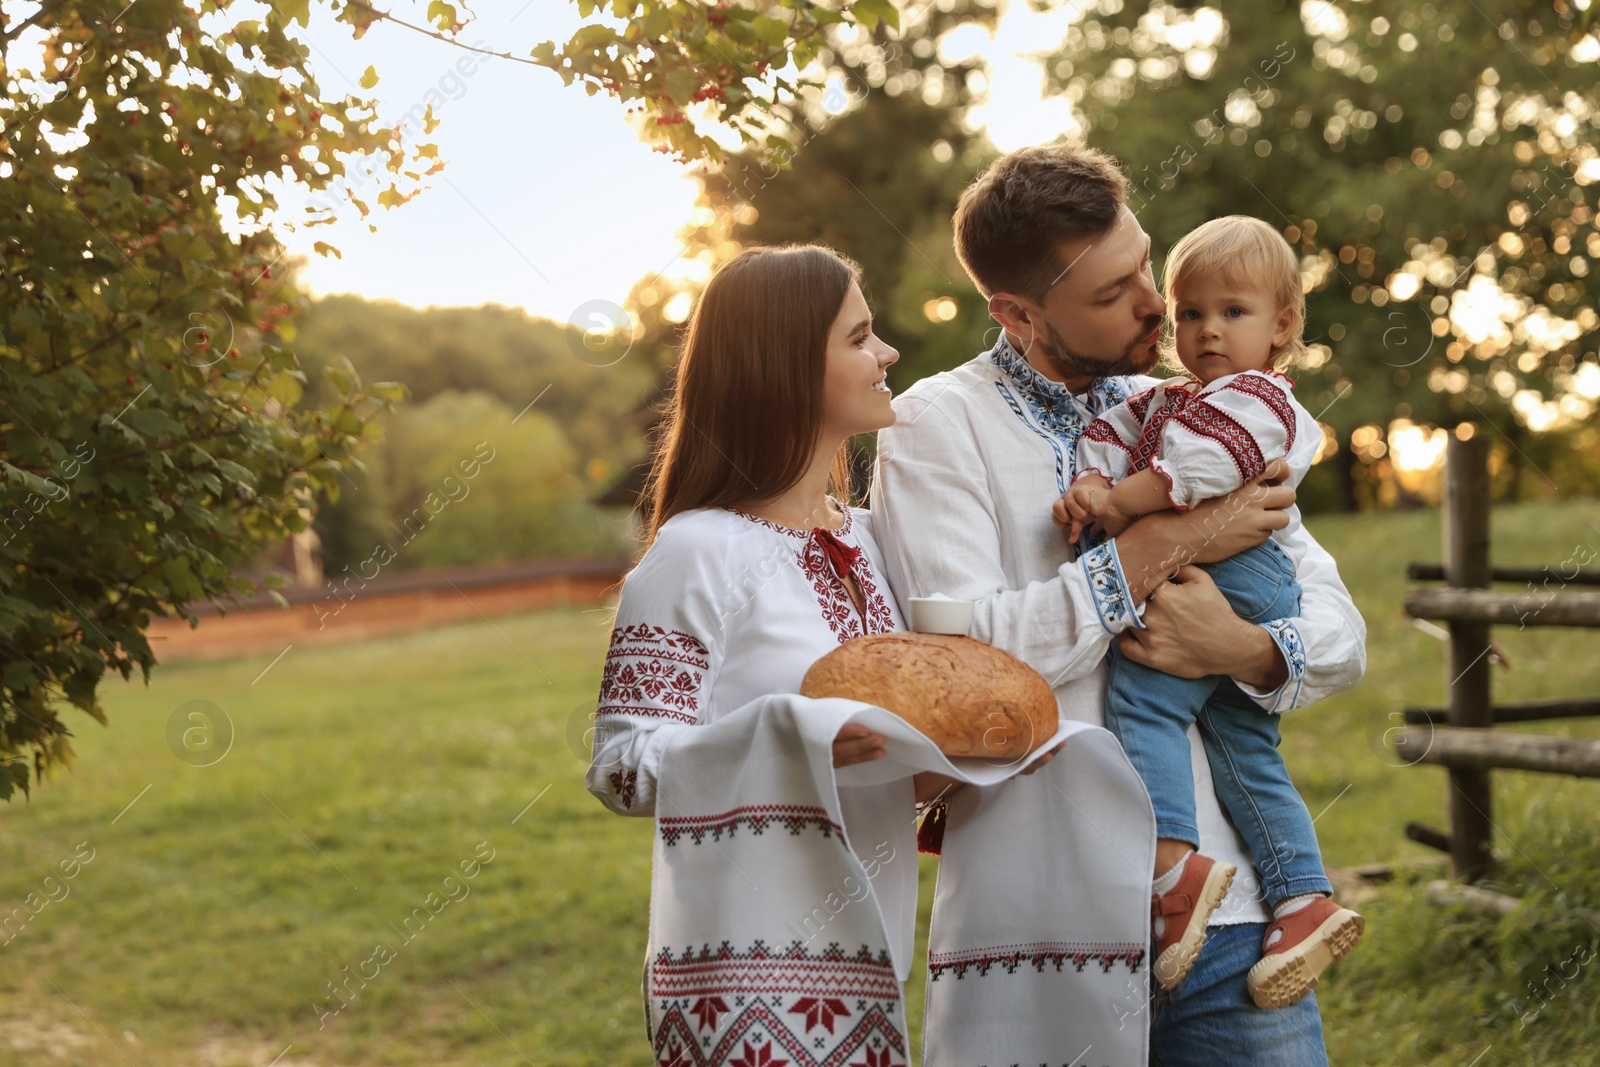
[[150, 435], [692, 72], [1428, 162], [882, 157], [531, 365]]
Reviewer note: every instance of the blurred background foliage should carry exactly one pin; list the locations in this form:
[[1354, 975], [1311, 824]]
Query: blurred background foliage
[[555, 415]]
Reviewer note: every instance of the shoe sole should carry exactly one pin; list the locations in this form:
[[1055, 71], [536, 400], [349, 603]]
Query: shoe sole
[[1283, 978], [1172, 967]]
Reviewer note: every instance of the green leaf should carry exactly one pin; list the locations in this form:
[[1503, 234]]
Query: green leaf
[[870, 12], [285, 389], [296, 10], [770, 31], [442, 15]]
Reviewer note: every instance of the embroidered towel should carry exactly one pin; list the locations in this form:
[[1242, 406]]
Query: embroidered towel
[[780, 925]]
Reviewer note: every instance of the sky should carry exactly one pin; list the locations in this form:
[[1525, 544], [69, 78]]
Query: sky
[[549, 201]]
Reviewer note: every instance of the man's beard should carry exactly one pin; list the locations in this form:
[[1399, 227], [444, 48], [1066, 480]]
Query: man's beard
[[1072, 364]]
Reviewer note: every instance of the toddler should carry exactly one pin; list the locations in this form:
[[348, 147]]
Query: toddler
[[1233, 291]]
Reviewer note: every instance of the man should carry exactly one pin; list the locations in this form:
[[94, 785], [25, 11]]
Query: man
[[961, 500]]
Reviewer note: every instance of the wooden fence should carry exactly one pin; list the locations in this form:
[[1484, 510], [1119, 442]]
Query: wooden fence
[[1460, 736]]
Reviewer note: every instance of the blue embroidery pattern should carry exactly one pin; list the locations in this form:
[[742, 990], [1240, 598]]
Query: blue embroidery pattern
[[1060, 419], [1112, 597], [1287, 636], [1053, 413]]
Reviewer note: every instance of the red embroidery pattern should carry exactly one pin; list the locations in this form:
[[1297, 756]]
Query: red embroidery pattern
[[1206, 421], [1102, 431], [775, 1007], [626, 786], [1039, 953], [1149, 442], [838, 610], [1272, 399], [790, 530], [651, 670], [794, 817], [1139, 403], [1203, 420]]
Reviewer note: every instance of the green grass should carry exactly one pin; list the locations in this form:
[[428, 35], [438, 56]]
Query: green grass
[[219, 906]]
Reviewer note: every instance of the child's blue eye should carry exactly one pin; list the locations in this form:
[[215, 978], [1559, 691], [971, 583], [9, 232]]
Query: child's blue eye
[[1234, 313]]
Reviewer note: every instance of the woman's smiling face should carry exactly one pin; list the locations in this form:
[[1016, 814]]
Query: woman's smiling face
[[856, 396], [1222, 328]]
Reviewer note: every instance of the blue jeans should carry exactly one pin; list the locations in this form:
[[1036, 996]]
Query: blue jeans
[[1210, 1019], [1150, 713]]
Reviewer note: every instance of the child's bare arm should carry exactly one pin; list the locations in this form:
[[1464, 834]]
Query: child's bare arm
[[1137, 494]]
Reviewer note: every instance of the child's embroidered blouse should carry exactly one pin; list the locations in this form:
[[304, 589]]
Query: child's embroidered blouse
[[1206, 440]]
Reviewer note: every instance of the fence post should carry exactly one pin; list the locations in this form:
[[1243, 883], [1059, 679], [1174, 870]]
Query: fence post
[[1466, 564]]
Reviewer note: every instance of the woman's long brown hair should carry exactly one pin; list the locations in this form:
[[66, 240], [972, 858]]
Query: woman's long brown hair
[[746, 409]]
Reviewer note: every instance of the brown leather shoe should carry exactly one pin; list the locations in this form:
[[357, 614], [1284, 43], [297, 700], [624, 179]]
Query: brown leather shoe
[[1298, 948], [1187, 907]]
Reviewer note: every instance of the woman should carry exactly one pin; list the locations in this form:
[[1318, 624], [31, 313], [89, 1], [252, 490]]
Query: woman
[[754, 568]]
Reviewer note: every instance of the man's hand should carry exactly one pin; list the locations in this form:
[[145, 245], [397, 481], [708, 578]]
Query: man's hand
[[1244, 518], [1191, 632], [1156, 546]]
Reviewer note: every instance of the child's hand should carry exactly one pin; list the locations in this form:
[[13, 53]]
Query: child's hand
[[1082, 504]]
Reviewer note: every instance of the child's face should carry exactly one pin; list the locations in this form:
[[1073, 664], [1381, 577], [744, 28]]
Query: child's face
[[1225, 329]]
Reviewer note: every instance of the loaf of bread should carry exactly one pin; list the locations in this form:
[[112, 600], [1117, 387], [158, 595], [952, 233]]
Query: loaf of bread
[[969, 698]]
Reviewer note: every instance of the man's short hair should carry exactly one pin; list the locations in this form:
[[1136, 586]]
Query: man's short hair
[[1014, 216]]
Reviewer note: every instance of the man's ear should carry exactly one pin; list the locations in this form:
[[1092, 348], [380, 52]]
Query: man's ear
[[1012, 313]]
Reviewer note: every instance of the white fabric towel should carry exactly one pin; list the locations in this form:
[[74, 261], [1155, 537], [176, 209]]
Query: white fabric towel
[[769, 946]]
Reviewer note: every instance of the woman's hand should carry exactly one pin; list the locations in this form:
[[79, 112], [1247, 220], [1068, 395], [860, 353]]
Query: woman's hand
[[856, 744], [1046, 758]]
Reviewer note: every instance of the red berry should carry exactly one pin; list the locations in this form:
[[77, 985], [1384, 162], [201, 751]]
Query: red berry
[[169, 366], [128, 380]]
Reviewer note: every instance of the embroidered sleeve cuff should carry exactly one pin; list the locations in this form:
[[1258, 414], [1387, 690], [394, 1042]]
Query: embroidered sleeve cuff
[[1286, 697], [1113, 600]]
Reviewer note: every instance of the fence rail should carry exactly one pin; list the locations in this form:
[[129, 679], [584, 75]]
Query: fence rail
[[1460, 736]]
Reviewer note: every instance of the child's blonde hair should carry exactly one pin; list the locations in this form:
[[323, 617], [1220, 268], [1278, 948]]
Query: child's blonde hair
[[1247, 253]]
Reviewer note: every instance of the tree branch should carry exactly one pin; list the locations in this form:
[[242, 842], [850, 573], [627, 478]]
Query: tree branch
[[384, 16]]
